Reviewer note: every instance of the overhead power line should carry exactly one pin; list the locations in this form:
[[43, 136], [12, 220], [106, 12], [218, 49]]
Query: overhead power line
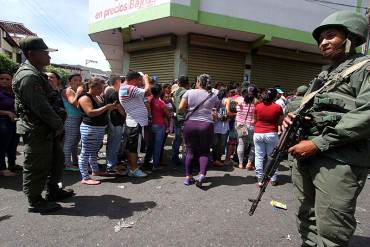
[[336, 3]]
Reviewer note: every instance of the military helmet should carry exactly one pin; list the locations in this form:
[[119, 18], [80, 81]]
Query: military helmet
[[352, 22]]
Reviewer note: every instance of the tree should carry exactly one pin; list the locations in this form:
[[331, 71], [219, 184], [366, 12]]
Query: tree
[[8, 65]]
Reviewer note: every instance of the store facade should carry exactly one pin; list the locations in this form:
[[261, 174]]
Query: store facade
[[266, 42]]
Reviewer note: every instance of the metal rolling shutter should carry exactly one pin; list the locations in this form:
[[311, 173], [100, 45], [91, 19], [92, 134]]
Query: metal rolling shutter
[[159, 62], [221, 65], [289, 74]]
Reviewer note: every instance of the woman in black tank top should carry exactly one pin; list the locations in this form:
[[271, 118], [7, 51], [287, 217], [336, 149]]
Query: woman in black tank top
[[94, 120]]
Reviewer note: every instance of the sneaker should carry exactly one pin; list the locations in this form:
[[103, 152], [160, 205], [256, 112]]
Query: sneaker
[[111, 171], [189, 181], [122, 172], [43, 206], [137, 173], [200, 180]]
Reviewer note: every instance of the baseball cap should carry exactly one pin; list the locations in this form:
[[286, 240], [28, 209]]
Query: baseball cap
[[34, 43], [278, 90]]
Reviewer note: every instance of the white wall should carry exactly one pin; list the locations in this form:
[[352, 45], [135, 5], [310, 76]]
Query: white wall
[[296, 14], [100, 10]]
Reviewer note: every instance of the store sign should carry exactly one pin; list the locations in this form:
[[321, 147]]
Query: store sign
[[101, 10]]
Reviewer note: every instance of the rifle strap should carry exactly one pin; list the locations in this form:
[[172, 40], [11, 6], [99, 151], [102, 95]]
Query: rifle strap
[[340, 77]]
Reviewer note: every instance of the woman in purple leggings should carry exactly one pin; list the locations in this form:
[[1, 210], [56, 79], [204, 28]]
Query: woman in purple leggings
[[201, 106]]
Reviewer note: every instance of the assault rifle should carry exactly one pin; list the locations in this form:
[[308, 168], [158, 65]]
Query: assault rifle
[[292, 135]]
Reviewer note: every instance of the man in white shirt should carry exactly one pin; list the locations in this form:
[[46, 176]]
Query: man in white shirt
[[281, 100], [132, 96]]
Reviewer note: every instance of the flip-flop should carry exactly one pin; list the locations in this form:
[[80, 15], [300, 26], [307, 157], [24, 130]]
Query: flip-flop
[[90, 182]]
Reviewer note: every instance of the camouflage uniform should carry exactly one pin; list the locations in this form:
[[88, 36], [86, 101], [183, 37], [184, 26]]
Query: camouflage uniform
[[38, 124], [327, 184]]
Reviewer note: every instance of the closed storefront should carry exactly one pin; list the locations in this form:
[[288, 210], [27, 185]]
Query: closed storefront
[[159, 62], [268, 71], [221, 65]]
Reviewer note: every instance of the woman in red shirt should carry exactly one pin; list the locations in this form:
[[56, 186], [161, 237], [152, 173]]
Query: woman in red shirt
[[160, 114], [269, 116]]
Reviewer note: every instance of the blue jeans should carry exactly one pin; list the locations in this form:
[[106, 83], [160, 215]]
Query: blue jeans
[[264, 145], [113, 144], [155, 145], [71, 139], [176, 143], [91, 139]]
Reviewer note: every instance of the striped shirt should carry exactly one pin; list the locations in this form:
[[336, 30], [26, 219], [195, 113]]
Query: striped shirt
[[132, 100], [242, 112]]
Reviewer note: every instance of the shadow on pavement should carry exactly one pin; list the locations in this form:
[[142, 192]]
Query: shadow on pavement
[[5, 217], [359, 241], [12, 183], [111, 206], [71, 178], [284, 179], [227, 180]]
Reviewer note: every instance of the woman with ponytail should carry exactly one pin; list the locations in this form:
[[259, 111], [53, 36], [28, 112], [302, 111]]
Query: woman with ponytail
[[245, 116], [269, 116], [201, 106]]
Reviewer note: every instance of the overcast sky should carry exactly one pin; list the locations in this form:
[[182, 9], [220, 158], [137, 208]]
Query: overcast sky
[[62, 25]]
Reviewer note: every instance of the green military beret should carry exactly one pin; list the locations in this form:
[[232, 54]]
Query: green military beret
[[34, 43]]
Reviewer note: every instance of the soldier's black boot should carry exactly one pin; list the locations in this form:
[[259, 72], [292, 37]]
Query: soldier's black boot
[[42, 206], [55, 194]]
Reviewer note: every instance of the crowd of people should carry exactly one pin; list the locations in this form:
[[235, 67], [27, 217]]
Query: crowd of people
[[207, 120]]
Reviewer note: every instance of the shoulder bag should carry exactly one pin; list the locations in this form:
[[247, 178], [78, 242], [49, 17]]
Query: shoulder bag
[[197, 107], [242, 129]]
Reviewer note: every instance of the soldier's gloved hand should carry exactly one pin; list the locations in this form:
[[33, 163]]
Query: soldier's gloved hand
[[303, 149]]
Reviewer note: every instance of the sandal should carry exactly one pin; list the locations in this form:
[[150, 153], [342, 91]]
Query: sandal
[[90, 182], [250, 166], [100, 174], [189, 181], [241, 166]]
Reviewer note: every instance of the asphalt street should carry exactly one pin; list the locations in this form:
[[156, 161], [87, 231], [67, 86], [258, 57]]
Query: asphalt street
[[160, 211]]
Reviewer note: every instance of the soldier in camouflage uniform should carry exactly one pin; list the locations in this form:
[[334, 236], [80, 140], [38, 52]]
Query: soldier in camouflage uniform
[[334, 159], [293, 104], [41, 128]]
